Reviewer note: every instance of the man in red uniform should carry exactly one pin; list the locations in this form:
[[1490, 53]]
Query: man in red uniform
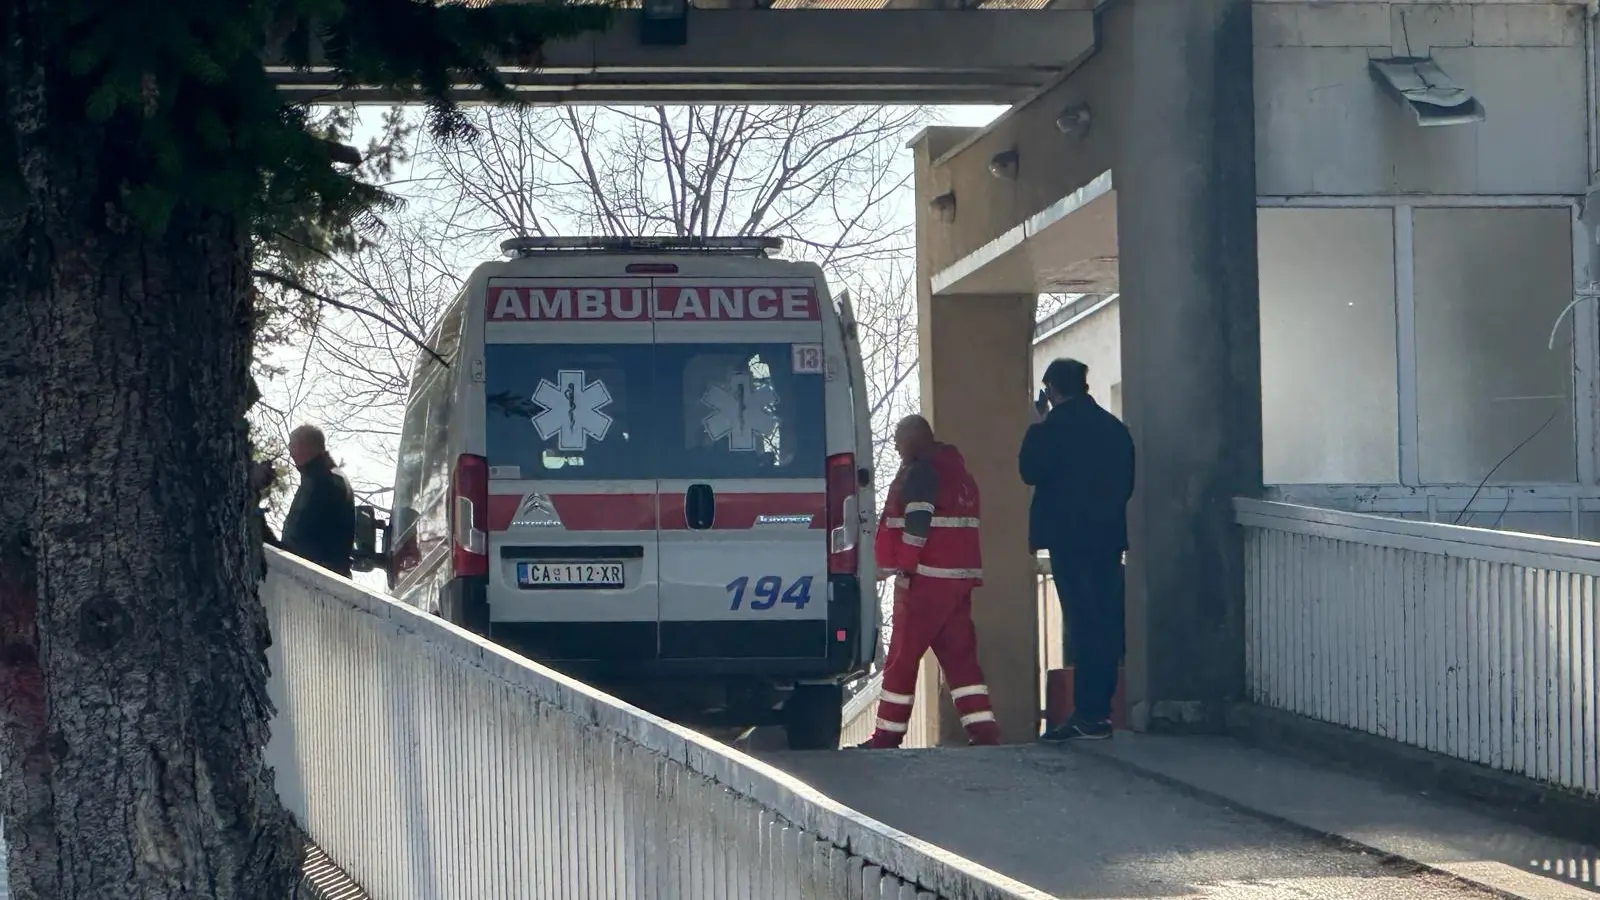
[[928, 542]]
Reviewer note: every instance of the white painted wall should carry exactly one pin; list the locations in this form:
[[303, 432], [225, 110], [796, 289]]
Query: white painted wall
[[1095, 339], [1324, 126]]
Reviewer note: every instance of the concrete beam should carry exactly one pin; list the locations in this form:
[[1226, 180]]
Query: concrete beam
[[1069, 247], [790, 56]]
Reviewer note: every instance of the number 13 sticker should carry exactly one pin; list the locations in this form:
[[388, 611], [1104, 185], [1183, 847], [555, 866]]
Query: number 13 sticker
[[806, 359]]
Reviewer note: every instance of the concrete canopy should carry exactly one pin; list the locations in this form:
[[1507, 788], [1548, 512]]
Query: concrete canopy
[[1068, 247], [809, 56]]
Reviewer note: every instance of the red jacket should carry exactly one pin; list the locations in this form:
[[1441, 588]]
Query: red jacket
[[929, 526]]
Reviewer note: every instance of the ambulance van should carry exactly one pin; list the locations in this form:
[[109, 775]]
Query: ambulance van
[[647, 463]]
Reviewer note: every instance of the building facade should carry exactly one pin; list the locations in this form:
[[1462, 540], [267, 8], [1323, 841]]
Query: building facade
[[1427, 330]]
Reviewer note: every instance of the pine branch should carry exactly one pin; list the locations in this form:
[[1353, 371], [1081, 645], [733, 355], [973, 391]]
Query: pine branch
[[200, 122]]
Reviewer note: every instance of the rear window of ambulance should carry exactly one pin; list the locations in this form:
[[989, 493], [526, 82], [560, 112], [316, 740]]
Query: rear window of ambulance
[[632, 411]]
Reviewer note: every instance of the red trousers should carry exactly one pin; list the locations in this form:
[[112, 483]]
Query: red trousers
[[934, 614]]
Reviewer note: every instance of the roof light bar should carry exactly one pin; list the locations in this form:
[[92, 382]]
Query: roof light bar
[[527, 246]]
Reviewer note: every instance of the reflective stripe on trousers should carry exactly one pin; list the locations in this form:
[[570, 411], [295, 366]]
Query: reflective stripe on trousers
[[959, 574], [893, 522]]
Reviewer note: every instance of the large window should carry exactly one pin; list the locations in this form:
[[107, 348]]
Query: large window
[[1489, 286], [1328, 376], [742, 412], [571, 412], [422, 476], [1408, 345], [683, 411]]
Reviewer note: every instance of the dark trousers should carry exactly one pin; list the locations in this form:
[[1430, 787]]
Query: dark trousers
[[1090, 586]]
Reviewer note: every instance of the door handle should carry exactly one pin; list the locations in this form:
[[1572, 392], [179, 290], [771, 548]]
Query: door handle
[[699, 507]]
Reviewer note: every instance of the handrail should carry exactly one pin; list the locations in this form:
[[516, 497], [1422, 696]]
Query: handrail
[[367, 689], [865, 698], [1538, 551]]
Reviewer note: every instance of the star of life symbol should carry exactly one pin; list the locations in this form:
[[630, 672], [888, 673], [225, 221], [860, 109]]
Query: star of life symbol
[[739, 411], [572, 410]]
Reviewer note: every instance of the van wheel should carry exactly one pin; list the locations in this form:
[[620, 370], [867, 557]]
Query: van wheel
[[814, 716], [459, 610]]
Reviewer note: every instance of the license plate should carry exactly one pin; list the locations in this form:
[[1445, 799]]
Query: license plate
[[570, 575]]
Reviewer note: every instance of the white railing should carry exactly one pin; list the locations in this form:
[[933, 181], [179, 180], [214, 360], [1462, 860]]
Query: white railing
[[1052, 655], [1477, 644], [432, 765], [861, 713]]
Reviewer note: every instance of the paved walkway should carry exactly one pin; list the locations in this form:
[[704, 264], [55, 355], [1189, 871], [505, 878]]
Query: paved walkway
[[1161, 817], [1115, 821]]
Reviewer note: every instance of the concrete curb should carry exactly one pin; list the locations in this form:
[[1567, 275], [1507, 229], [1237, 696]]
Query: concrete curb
[[1495, 879]]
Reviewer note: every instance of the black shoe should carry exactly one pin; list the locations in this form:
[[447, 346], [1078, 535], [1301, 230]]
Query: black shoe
[[1077, 729]]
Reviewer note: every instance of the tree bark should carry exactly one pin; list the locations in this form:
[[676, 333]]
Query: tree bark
[[26, 809], [133, 706]]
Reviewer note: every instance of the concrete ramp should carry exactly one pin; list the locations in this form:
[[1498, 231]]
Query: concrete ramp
[[1078, 826]]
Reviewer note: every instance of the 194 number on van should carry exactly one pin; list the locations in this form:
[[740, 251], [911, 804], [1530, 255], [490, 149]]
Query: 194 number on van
[[768, 591]]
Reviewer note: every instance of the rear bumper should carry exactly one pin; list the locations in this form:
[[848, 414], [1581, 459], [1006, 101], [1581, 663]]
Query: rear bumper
[[797, 648], [776, 649]]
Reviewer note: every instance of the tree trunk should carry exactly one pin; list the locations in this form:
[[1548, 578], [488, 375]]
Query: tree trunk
[[133, 706]]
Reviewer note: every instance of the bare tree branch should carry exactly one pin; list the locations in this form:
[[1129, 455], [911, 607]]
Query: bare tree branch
[[292, 284]]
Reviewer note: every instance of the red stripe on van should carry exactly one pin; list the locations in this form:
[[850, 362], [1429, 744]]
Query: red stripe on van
[[584, 512], [737, 512], [502, 509]]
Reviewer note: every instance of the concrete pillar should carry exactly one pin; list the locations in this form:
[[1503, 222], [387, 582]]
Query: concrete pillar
[[976, 383], [1190, 352]]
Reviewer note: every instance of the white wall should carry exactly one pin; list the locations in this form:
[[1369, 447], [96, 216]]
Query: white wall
[[1324, 126], [1094, 338]]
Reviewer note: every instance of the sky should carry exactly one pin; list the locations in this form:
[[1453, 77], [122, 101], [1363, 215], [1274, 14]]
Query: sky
[[972, 115]]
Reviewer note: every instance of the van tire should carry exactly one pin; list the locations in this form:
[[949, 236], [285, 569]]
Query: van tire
[[814, 716], [461, 603]]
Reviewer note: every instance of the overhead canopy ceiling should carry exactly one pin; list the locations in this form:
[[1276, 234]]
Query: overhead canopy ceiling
[[917, 4], [1069, 247], [799, 51]]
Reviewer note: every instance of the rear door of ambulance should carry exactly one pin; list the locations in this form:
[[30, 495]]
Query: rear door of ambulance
[[741, 444], [568, 366]]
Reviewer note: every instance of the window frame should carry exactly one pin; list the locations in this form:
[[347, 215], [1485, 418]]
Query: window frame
[[637, 373], [673, 365], [1585, 347]]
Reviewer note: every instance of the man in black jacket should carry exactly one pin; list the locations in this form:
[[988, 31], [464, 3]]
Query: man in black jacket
[[1079, 460], [321, 525]]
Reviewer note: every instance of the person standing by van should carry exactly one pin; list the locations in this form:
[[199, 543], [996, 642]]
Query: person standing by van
[[321, 525], [928, 542], [1079, 459]]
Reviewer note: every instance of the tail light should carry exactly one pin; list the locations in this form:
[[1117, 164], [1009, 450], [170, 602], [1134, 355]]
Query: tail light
[[842, 514], [469, 516]]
